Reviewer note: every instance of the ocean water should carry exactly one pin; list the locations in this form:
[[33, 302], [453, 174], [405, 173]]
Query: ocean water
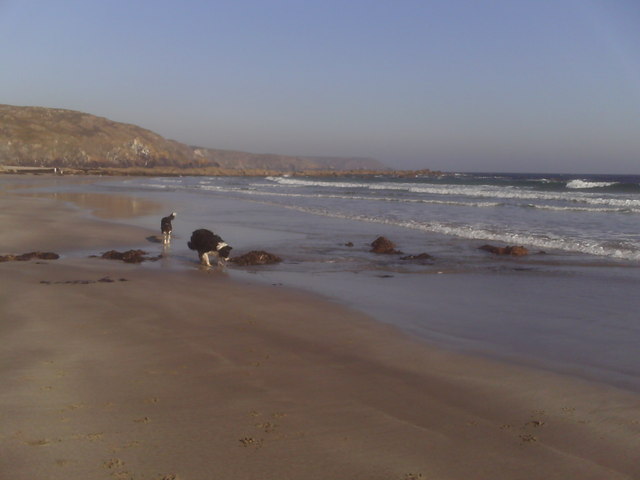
[[571, 306], [580, 218]]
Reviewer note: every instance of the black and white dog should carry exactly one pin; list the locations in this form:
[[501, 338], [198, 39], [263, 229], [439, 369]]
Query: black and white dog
[[206, 242], [166, 228]]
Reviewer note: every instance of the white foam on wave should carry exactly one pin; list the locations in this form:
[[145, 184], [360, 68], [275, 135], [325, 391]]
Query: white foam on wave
[[579, 184], [349, 197], [159, 186], [628, 250], [555, 208], [475, 232], [598, 203], [296, 182], [473, 191]]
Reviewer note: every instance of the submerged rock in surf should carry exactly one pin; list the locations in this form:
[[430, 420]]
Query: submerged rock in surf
[[130, 256], [515, 250], [421, 258], [384, 246], [256, 257]]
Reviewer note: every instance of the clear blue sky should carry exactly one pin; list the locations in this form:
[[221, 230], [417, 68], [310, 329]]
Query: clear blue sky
[[464, 85]]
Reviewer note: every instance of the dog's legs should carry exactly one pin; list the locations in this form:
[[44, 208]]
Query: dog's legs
[[204, 259]]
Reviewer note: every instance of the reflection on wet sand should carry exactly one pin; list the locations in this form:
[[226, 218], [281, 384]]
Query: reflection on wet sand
[[106, 206]]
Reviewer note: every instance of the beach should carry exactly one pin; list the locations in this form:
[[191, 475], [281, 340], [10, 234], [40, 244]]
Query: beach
[[114, 370]]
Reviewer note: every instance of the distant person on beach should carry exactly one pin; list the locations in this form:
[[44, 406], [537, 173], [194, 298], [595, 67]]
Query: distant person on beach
[[166, 228]]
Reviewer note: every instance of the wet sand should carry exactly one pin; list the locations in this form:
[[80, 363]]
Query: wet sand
[[111, 370]]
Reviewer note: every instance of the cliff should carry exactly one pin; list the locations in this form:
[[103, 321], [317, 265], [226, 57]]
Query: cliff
[[52, 137]]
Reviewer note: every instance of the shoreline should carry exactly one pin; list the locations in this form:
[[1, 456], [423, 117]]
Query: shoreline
[[583, 329], [206, 172], [192, 374]]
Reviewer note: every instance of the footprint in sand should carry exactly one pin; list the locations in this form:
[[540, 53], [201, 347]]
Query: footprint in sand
[[93, 437], [38, 443], [113, 463], [132, 444], [266, 427], [117, 469], [534, 423], [251, 442], [528, 438]]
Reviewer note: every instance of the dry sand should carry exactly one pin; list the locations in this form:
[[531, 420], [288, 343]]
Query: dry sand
[[154, 374]]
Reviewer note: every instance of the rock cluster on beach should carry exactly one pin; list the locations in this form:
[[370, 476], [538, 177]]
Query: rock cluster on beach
[[82, 282], [422, 257], [256, 257], [130, 256], [384, 246], [28, 256], [515, 250]]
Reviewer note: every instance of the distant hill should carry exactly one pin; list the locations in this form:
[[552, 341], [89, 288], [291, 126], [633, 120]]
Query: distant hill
[[53, 137]]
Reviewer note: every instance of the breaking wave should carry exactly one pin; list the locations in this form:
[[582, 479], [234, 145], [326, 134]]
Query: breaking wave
[[580, 184], [592, 216], [472, 191], [619, 250]]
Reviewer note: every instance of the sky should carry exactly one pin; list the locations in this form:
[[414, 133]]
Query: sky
[[453, 85]]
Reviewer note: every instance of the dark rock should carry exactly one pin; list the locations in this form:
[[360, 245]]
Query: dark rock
[[422, 257], [256, 257], [28, 256], [384, 246], [82, 282], [48, 255], [348, 244], [130, 256], [515, 250]]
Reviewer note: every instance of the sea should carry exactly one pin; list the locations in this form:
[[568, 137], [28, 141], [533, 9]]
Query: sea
[[571, 306]]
